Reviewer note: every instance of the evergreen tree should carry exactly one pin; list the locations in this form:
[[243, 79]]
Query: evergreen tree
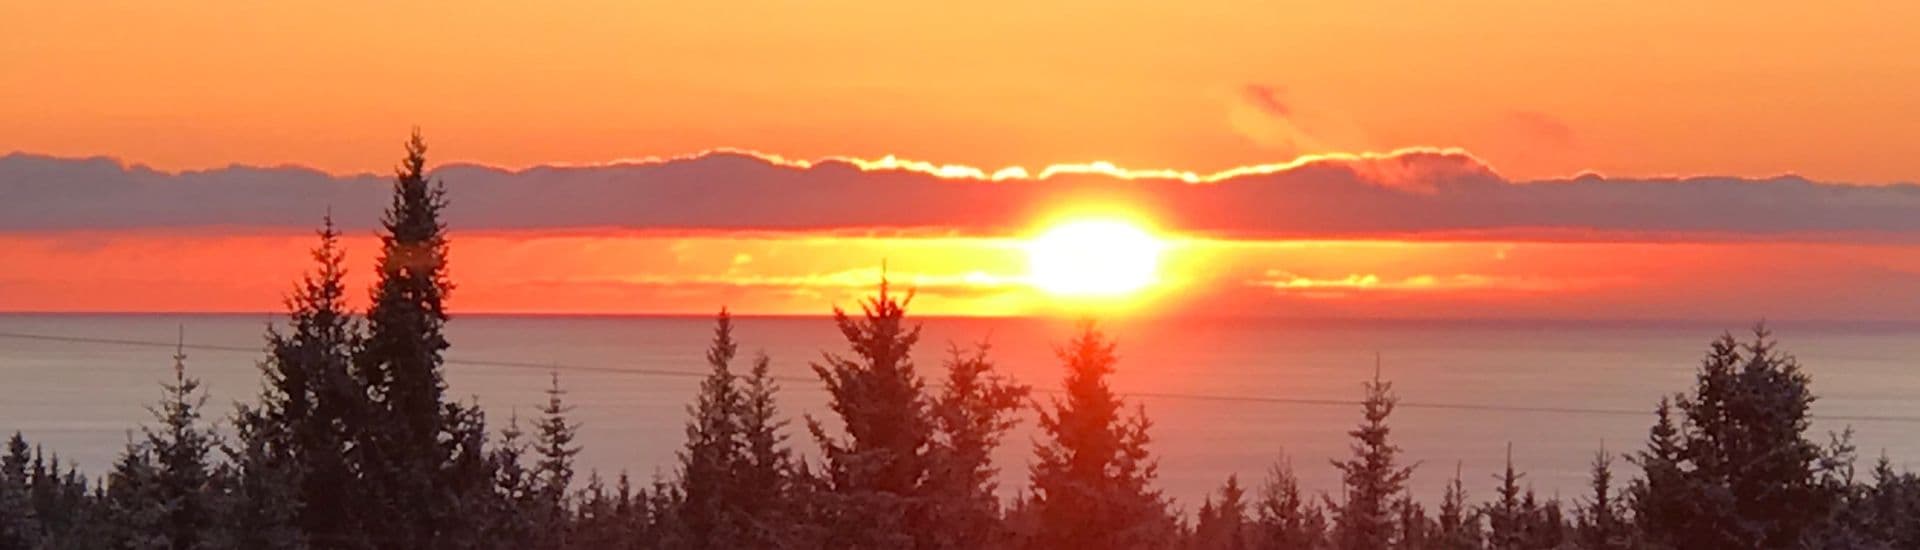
[[552, 477], [1601, 525], [297, 434], [62, 501], [1373, 477], [263, 508], [516, 522], [1748, 476], [1458, 525], [1891, 507], [1659, 499], [19, 524], [715, 450], [1092, 479], [1222, 524], [1284, 518], [418, 455], [1414, 528], [874, 472], [1507, 517], [183, 470], [766, 477], [1543, 525], [976, 406], [135, 508], [165, 492]]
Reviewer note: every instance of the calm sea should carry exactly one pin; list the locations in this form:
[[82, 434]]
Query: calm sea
[[1225, 396]]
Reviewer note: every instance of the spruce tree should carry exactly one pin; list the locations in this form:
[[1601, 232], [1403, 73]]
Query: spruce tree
[[262, 509], [1601, 525], [1743, 473], [1364, 519], [766, 477], [1222, 524], [516, 520], [975, 407], [1659, 499], [1285, 519], [135, 509], [1458, 524], [553, 472], [1507, 517], [874, 470], [715, 450], [298, 432], [182, 450], [19, 524], [417, 454], [1415, 530], [62, 501], [1092, 478]]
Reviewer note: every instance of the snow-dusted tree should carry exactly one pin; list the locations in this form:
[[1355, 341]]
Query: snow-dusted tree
[[1373, 477], [1092, 478]]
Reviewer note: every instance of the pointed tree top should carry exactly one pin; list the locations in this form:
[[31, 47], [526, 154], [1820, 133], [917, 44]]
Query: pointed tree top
[[180, 355]]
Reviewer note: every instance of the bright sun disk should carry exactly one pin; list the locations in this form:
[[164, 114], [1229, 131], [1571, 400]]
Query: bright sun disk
[[1093, 258]]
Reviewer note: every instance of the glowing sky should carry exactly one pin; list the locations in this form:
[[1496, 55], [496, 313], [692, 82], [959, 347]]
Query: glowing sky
[[1517, 92]]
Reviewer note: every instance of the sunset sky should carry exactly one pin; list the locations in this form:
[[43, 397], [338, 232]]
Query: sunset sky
[[1722, 160]]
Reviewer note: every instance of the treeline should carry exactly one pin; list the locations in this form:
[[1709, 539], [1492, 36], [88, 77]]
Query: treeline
[[353, 444]]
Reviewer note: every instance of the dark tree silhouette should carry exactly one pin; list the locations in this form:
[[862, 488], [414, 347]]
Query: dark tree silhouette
[[1222, 524], [975, 407], [1602, 524], [1092, 478], [1738, 472], [874, 472], [551, 480], [1284, 518], [715, 451], [420, 458], [1364, 519], [19, 524]]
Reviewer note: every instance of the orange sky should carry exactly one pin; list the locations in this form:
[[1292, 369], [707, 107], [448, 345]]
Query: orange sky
[[1743, 88], [1828, 90]]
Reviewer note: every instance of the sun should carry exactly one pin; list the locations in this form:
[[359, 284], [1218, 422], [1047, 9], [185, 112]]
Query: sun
[[1093, 258]]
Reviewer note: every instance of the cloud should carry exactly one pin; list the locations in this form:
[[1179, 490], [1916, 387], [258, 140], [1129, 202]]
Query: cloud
[[1541, 128], [1434, 193]]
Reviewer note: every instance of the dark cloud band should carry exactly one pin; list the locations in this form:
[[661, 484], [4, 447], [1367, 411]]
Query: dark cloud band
[[1414, 192]]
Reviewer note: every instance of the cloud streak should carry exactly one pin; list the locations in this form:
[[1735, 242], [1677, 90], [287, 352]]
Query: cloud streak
[[1436, 193]]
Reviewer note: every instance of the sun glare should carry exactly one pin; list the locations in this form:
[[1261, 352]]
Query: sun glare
[[1093, 258]]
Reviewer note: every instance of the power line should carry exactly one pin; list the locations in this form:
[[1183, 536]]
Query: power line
[[641, 371]]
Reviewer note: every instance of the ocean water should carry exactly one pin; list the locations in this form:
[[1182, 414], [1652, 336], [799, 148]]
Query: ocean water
[[1225, 396]]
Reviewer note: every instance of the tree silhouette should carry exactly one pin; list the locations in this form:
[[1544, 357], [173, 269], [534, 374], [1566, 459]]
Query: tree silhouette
[[873, 474], [1363, 520], [1092, 478]]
